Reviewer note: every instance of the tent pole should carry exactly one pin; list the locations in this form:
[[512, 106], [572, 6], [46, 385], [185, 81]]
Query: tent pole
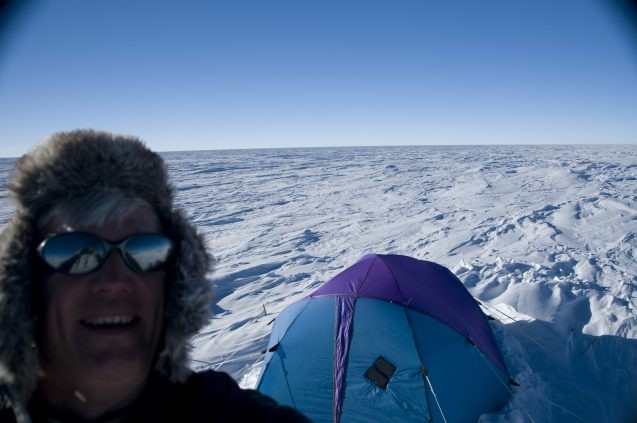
[[423, 369], [435, 396]]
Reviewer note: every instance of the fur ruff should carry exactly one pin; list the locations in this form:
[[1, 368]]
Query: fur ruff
[[73, 164]]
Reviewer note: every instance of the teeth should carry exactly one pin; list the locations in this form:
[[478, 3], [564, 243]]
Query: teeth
[[110, 320]]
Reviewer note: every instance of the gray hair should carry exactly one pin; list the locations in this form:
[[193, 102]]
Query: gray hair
[[92, 209]]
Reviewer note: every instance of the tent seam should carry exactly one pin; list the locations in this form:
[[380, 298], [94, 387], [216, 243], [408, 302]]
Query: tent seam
[[420, 359]]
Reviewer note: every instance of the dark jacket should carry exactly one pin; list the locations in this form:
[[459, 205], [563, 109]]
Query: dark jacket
[[205, 397]]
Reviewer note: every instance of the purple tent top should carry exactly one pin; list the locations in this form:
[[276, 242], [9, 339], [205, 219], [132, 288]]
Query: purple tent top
[[419, 285]]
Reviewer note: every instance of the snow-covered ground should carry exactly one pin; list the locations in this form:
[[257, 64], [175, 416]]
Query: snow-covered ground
[[545, 237]]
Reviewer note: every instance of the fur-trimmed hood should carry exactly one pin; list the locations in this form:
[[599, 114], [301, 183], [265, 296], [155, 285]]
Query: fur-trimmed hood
[[73, 164]]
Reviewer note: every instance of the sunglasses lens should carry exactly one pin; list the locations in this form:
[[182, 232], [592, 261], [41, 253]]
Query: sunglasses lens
[[77, 253], [73, 253], [147, 252]]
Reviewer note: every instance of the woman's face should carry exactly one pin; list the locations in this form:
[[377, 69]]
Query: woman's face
[[104, 327]]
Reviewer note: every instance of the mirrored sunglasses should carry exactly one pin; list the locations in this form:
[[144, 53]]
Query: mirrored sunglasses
[[78, 253]]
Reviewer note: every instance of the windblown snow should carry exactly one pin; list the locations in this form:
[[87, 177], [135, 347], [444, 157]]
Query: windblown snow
[[545, 237]]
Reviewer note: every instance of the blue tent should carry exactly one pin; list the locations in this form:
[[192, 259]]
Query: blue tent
[[390, 339]]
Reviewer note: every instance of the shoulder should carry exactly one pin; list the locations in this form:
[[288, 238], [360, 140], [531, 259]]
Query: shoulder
[[211, 381], [216, 395]]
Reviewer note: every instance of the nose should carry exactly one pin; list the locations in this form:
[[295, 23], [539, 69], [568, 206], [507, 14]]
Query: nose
[[114, 276]]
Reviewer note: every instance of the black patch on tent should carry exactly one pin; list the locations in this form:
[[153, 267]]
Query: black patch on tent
[[380, 372], [271, 349]]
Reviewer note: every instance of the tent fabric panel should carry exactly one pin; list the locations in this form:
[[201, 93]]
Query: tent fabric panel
[[381, 329], [447, 299], [280, 326], [365, 278], [459, 373], [421, 285], [300, 371]]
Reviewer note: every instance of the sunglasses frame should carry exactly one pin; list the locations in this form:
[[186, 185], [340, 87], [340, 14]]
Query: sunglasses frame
[[108, 246]]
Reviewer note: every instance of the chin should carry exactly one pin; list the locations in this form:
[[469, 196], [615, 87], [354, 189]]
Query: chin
[[117, 365]]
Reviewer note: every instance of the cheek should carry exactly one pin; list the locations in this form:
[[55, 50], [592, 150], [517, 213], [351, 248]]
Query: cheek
[[54, 295], [55, 313], [155, 292], [155, 297]]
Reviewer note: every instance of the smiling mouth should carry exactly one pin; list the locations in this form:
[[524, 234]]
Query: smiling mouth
[[110, 322]]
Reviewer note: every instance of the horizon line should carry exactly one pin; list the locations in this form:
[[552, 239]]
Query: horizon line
[[317, 147]]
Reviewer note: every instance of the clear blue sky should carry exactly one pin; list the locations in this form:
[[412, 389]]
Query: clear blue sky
[[212, 74]]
